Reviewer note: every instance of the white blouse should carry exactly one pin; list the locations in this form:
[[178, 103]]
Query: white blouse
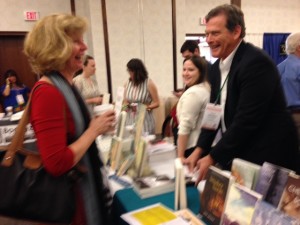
[[190, 110]]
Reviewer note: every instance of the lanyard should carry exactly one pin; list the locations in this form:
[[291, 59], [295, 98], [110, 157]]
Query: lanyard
[[220, 91]]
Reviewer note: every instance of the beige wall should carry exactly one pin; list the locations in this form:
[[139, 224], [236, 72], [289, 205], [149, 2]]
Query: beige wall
[[12, 12], [143, 29]]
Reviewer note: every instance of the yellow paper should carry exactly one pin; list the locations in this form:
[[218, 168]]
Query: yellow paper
[[154, 216]]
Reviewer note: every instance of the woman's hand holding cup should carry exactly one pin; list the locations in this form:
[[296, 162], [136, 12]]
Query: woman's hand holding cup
[[105, 118]]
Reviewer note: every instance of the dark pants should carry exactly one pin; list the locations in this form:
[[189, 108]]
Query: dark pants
[[175, 134], [296, 117]]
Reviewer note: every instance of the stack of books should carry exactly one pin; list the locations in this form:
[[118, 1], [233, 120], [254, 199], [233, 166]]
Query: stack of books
[[150, 186]]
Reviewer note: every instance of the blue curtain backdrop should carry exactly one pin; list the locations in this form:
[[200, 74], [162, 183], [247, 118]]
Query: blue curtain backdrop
[[274, 45]]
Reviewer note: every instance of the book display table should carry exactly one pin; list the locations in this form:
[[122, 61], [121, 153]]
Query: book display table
[[127, 200]]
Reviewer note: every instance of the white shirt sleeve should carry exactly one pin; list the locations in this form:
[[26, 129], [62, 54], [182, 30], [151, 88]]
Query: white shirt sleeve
[[191, 105]]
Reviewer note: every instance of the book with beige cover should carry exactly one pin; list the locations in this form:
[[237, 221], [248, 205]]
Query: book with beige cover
[[180, 186], [246, 173]]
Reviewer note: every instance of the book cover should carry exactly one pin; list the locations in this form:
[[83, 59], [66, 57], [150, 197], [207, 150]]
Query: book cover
[[290, 200], [180, 185], [265, 179], [279, 218], [120, 130], [150, 186], [214, 195], [115, 153], [271, 182], [263, 213], [276, 190], [245, 172], [240, 205], [290, 220], [189, 216], [139, 124], [140, 157], [126, 164]]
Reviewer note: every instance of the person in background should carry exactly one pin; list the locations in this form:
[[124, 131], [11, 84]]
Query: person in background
[[52, 120], [15, 93], [246, 93], [289, 71], [189, 48], [140, 89], [191, 104], [87, 83]]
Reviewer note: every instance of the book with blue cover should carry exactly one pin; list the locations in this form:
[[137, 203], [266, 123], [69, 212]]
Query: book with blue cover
[[265, 179], [263, 213], [279, 218], [271, 182]]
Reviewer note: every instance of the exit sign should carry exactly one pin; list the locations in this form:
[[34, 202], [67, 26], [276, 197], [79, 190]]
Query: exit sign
[[202, 21], [31, 15]]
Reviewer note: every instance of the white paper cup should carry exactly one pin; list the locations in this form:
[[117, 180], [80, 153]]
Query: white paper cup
[[100, 109], [9, 110]]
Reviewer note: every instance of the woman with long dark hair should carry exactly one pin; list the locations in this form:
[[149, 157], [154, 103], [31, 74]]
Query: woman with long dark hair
[[140, 89], [15, 93]]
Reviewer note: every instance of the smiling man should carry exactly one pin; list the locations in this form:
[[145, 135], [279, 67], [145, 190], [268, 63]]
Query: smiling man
[[247, 97]]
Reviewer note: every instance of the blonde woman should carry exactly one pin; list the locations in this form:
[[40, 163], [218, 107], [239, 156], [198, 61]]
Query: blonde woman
[[55, 47]]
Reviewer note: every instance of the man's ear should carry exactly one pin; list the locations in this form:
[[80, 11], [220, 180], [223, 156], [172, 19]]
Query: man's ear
[[237, 31]]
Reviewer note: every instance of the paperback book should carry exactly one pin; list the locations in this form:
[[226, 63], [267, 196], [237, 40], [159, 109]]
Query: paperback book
[[140, 157], [263, 213], [279, 218], [180, 185], [240, 205], [126, 164], [139, 124], [189, 216], [271, 182], [120, 130], [150, 186], [214, 195], [245, 172], [290, 200], [267, 214], [115, 153]]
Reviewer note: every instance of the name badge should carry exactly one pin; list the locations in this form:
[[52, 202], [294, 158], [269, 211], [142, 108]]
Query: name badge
[[212, 116], [20, 99]]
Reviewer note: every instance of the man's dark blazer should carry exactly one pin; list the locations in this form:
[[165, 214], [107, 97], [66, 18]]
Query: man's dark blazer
[[259, 128]]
